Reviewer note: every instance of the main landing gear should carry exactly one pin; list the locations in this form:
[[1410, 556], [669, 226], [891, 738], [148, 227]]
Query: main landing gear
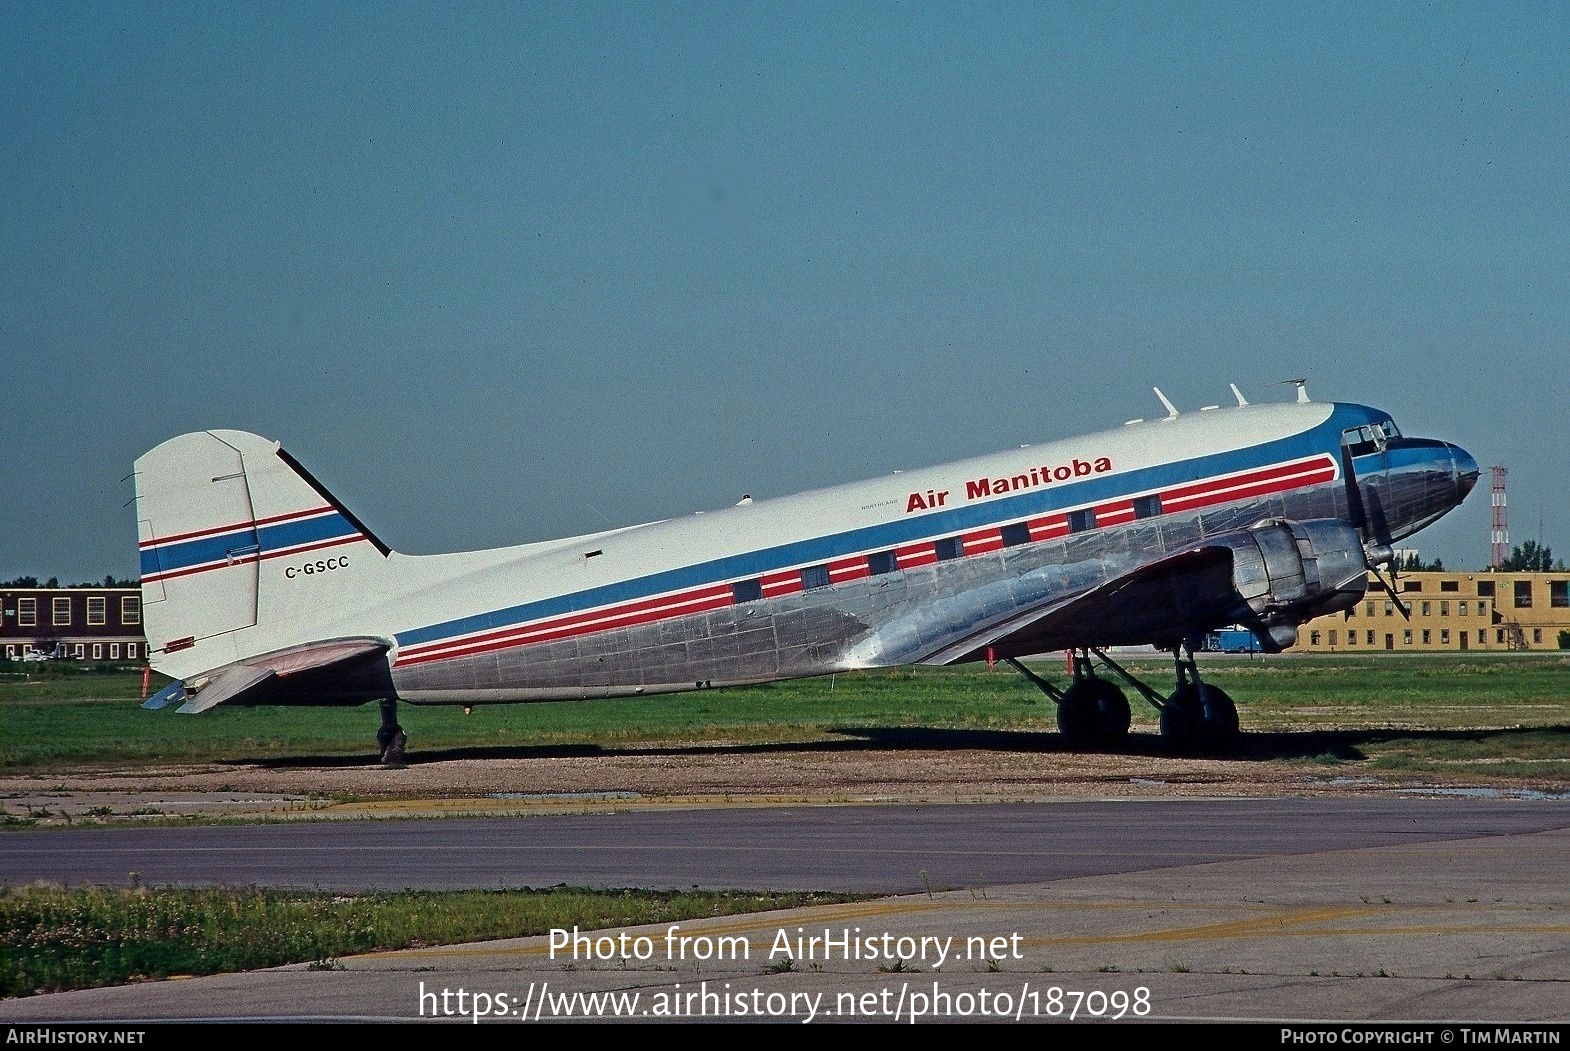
[[1198, 718], [1093, 712], [390, 738]]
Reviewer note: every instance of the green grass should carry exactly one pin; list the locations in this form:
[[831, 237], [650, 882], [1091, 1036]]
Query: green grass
[[69, 719], [52, 729], [64, 681], [53, 939]]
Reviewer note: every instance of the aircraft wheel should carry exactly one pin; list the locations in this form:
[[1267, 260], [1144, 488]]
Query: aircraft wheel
[[1200, 719], [390, 736], [1093, 714], [392, 751]]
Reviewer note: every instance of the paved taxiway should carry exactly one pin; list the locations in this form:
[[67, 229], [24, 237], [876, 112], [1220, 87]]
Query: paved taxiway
[[1343, 909], [873, 849]]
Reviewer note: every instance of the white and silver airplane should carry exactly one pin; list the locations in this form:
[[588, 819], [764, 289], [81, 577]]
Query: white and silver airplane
[[260, 587]]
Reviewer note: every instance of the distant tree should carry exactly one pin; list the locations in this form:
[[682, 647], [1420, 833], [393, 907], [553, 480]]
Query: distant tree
[[109, 581], [1411, 562], [1528, 557]]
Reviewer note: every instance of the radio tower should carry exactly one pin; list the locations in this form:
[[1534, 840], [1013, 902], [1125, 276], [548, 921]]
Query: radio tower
[[1501, 529]]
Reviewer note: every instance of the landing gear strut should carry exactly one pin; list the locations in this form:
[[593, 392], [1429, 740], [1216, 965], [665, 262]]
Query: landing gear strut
[[390, 737], [1092, 712], [1198, 718]]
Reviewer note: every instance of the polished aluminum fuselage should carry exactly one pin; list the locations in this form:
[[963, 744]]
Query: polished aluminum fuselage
[[879, 573]]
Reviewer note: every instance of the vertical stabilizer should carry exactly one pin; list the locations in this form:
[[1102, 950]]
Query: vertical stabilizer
[[241, 551]]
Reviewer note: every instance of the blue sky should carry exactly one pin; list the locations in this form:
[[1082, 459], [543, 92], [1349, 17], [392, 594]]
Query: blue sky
[[502, 272]]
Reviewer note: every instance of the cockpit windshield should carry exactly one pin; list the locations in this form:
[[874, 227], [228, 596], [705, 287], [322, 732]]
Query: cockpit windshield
[[1371, 437]]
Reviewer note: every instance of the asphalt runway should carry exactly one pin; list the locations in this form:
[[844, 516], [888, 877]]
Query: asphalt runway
[[1450, 911], [890, 849]]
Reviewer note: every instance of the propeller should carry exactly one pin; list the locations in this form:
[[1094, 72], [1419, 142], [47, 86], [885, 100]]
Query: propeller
[[1376, 549]]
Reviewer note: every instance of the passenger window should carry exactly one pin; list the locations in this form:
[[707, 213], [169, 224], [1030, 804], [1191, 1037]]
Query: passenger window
[[815, 577]]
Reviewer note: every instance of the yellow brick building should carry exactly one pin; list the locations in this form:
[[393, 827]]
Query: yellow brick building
[[1450, 612]]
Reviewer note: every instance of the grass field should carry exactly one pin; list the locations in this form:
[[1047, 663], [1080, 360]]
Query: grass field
[[54, 939], [1421, 706]]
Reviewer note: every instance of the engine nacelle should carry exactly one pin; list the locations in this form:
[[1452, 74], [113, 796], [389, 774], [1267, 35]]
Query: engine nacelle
[[1290, 572]]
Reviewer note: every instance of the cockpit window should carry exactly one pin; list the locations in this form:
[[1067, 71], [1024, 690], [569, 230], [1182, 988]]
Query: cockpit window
[[1389, 429], [1370, 438]]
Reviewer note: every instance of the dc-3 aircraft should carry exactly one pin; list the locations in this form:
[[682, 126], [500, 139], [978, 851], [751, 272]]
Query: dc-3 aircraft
[[260, 587]]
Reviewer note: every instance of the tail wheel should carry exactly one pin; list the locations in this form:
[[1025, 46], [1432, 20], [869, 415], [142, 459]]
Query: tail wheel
[[390, 739], [392, 750], [1093, 714], [1200, 719]]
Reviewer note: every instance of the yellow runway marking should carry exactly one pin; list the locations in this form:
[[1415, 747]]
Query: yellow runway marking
[[708, 928], [1317, 922]]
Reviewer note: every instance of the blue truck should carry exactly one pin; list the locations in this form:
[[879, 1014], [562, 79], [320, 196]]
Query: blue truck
[[1232, 640]]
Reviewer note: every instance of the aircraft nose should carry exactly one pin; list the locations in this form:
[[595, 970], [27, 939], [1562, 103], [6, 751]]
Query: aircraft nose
[[1465, 468]]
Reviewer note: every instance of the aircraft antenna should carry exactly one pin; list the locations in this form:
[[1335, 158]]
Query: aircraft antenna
[[1241, 401], [1301, 383], [1172, 412]]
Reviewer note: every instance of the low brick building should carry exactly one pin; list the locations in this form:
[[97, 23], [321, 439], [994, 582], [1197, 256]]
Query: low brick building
[[79, 624]]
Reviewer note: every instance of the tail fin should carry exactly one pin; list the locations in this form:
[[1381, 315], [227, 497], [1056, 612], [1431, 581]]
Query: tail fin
[[241, 550]]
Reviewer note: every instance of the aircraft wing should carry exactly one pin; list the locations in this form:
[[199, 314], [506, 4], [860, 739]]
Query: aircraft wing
[[1162, 600]]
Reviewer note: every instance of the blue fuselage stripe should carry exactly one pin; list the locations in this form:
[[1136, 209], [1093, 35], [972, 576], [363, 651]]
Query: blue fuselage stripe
[[1322, 439]]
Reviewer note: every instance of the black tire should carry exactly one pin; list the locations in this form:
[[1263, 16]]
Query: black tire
[[1200, 719], [1093, 714], [392, 751]]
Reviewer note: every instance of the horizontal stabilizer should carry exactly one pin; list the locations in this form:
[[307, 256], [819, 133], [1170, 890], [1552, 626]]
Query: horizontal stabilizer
[[175, 691], [314, 656], [247, 682], [230, 684]]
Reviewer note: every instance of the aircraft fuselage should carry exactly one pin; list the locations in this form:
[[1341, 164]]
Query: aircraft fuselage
[[934, 565]]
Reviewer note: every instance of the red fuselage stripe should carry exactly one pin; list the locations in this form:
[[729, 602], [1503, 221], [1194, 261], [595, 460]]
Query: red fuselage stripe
[[1188, 497]]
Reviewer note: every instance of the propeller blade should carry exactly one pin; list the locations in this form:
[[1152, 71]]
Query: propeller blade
[[1354, 494], [1376, 552], [1390, 589]]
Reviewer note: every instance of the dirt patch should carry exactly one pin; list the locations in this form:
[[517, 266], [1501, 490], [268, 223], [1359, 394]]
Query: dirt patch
[[703, 775]]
